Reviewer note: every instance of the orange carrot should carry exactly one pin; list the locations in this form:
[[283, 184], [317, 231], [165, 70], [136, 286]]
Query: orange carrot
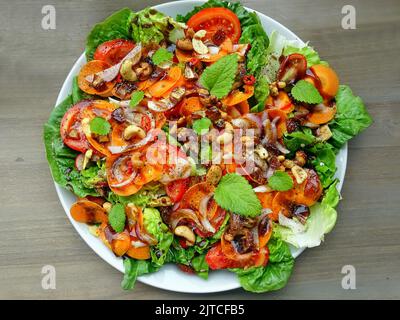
[[88, 212], [90, 68], [162, 86], [141, 253], [190, 105]]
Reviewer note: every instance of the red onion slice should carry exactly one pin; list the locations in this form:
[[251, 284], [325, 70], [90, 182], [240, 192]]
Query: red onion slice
[[138, 244], [181, 214], [110, 73], [145, 237], [281, 148], [203, 213], [160, 106], [120, 149]]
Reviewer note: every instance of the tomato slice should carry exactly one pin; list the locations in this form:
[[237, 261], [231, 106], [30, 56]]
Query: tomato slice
[[71, 128], [292, 68], [220, 23], [113, 51], [176, 189]]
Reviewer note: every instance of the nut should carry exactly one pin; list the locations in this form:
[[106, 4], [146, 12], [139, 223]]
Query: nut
[[288, 164], [127, 70], [281, 158], [198, 45], [107, 206], [135, 159], [177, 94], [143, 71], [281, 84], [214, 174], [133, 131], [261, 151], [164, 201], [299, 173], [185, 44], [88, 155], [189, 73], [185, 232], [324, 133], [300, 158], [225, 138]]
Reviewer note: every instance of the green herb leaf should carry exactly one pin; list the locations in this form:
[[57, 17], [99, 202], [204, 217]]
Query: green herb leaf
[[219, 77], [202, 125], [235, 194], [136, 97], [304, 91], [161, 55], [280, 181], [117, 217], [100, 126]]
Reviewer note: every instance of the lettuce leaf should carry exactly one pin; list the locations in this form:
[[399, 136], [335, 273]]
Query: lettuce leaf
[[150, 25], [135, 268], [155, 226], [321, 221], [274, 275], [94, 175], [324, 162], [116, 26], [351, 118], [311, 55], [61, 159]]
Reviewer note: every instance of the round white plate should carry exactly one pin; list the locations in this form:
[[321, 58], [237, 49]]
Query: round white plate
[[169, 277]]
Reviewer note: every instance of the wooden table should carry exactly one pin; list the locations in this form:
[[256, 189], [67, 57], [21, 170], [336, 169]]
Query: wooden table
[[34, 230]]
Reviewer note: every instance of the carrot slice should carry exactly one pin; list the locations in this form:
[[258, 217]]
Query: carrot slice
[[190, 105], [121, 243], [282, 203], [183, 56], [244, 107], [328, 78], [141, 253], [264, 238], [266, 199], [160, 87], [238, 96], [227, 45], [322, 114], [86, 211], [194, 195], [90, 68]]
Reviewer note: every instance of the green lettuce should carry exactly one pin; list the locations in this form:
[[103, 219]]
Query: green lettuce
[[146, 196], [94, 175], [116, 26], [135, 268], [155, 226], [351, 118], [150, 25], [61, 159], [321, 221], [77, 93], [274, 275]]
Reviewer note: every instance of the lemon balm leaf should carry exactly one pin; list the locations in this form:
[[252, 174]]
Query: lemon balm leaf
[[304, 91], [136, 97], [100, 126]]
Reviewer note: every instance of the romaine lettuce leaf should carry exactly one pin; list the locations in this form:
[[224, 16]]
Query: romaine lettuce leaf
[[155, 226], [274, 275], [351, 118], [135, 268]]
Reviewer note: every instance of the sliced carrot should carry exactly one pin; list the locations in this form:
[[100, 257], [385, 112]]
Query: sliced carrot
[[266, 199], [238, 96], [322, 114], [180, 83], [328, 78], [121, 243], [227, 45], [233, 112], [88, 212], [102, 234], [194, 195], [282, 203], [309, 192], [141, 253], [264, 238], [97, 200], [190, 105], [148, 173], [162, 86], [281, 124], [244, 107], [183, 56], [90, 68]]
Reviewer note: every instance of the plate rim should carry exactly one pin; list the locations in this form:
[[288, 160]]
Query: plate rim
[[147, 279]]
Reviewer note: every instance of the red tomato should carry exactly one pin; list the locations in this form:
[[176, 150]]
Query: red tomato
[[113, 51], [176, 189], [292, 68], [71, 129], [219, 24]]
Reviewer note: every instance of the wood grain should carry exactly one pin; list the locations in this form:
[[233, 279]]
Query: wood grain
[[34, 231]]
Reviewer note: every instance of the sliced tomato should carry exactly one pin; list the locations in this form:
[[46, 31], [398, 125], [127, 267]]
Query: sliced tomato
[[176, 189], [113, 51], [71, 128], [216, 259], [220, 23], [292, 68]]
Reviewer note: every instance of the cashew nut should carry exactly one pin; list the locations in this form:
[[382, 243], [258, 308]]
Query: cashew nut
[[185, 232], [299, 173], [88, 155], [127, 70], [261, 151], [324, 133], [107, 206], [133, 131], [135, 159], [184, 44], [198, 45], [214, 174]]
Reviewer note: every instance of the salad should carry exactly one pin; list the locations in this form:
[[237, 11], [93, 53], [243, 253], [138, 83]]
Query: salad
[[204, 142]]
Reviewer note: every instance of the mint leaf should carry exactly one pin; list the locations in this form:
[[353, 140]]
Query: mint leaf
[[136, 97], [235, 194], [117, 217], [304, 91], [161, 55], [202, 125], [99, 126], [219, 77], [280, 181]]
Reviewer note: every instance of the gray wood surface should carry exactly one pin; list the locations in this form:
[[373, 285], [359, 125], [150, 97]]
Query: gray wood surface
[[34, 230]]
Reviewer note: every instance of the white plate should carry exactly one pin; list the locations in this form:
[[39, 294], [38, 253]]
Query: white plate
[[169, 277]]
